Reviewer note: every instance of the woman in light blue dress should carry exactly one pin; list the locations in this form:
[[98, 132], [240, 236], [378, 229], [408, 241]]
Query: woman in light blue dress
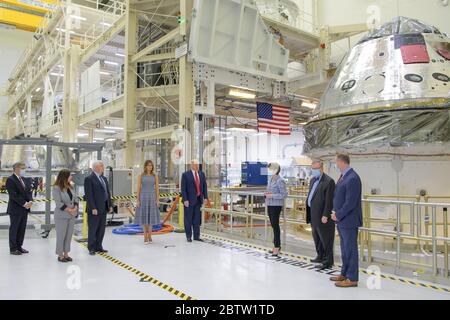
[[147, 210]]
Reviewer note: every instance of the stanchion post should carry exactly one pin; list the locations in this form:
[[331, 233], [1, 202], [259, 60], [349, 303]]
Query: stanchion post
[[85, 226], [181, 215]]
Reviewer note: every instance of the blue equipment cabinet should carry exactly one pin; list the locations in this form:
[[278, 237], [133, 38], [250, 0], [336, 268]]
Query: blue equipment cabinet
[[254, 173]]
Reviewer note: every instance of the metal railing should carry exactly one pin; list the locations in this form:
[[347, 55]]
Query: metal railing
[[407, 215]]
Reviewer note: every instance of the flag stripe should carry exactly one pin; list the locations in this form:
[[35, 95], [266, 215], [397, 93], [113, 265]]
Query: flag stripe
[[273, 119]]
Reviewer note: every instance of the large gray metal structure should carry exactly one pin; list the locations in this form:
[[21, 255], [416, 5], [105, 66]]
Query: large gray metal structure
[[76, 148]]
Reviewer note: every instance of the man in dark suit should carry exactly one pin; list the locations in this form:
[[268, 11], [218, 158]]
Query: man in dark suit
[[194, 191], [98, 205], [19, 205], [347, 212], [319, 205]]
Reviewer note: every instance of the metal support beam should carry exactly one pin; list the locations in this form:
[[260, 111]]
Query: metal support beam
[[118, 26], [70, 102], [155, 45], [186, 85], [157, 133], [130, 85]]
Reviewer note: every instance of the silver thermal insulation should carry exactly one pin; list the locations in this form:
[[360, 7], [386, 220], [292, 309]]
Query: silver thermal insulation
[[391, 90]]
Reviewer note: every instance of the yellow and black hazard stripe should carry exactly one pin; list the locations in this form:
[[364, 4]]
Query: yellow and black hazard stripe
[[39, 191], [145, 277], [161, 195], [384, 276], [35, 200]]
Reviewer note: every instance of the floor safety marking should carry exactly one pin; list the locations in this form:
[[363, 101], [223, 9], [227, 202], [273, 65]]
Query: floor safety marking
[[144, 277], [384, 276]]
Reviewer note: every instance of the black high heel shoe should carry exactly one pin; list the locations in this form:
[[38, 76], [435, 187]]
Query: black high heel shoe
[[276, 254]]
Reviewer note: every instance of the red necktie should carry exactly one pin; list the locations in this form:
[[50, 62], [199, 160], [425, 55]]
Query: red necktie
[[197, 183]]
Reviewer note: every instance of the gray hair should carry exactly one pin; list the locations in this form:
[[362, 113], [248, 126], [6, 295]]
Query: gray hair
[[17, 165], [317, 161], [96, 163]]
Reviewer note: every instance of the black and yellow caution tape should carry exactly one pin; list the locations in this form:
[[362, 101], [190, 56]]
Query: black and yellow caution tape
[[384, 276], [34, 200], [39, 191], [145, 277], [161, 195]]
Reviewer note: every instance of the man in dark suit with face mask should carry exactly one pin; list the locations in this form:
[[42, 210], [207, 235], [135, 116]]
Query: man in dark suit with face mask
[[19, 205], [319, 206]]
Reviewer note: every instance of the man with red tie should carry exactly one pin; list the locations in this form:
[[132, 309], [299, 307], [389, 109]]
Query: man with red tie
[[19, 205], [194, 191]]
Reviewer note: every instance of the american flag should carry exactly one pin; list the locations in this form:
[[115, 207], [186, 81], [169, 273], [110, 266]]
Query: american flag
[[273, 119]]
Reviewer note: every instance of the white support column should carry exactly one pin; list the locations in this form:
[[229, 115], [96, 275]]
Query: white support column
[[130, 84], [186, 83], [70, 101], [28, 126]]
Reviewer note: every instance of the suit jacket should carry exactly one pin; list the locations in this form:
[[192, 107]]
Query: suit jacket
[[189, 189], [321, 202], [18, 195], [63, 201], [95, 194], [347, 201]]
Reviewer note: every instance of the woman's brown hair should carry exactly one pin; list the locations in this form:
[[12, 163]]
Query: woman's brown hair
[[146, 163], [62, 180]]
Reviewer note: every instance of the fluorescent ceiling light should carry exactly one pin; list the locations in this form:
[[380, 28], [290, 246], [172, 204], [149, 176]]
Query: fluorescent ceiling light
[[56, 74], [302, 123], [82, 134], [111, 63], [242, 94], [105, 73], [38, 89], [77, 17], [241, 129], [120, 54], [99, 139], [106, 24], [104, 131], [113, 128], [309, 105]]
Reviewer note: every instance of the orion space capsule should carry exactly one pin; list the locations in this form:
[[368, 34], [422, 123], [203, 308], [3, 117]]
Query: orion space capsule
[[388, 106]]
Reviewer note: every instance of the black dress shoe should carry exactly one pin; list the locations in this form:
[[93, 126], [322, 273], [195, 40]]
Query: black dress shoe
[[324, 266], [15, 253], [62, 259], [102, 251], [23, 250], [201, 240], [316, 260], [92, 253], [189, 240], [68, 259]]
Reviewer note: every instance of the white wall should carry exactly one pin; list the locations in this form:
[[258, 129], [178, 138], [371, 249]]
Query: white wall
[[12, 44], [342, 12]]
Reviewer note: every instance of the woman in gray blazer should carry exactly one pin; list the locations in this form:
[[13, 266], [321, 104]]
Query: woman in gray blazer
[[66, 210]]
